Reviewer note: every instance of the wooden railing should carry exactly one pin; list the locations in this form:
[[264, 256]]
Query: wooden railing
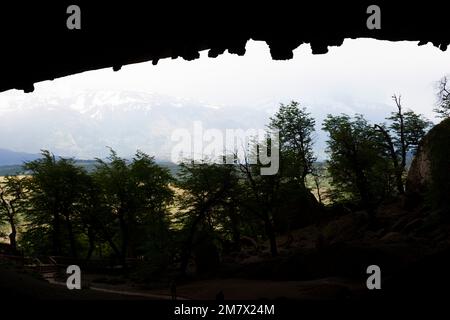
[[49, 264]]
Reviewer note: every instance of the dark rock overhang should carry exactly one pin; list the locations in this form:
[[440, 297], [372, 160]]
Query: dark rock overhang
[[36, 45]]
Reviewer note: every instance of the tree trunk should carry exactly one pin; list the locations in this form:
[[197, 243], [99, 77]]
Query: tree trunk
[[91, 244], [13, 235], [12, 238], [10, 213], [73, 245], [124, 231], [115, 249], [319, 194], [106, 236], [57, 250], [398, 169], [186, 254], [236, 234], [271, 235]]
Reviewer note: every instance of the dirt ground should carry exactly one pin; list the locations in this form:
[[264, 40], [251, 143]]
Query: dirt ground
[[17, 284], [237, 289]]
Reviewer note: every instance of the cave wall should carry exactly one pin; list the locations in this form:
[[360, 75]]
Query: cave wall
[[429, 176], [36, 44]]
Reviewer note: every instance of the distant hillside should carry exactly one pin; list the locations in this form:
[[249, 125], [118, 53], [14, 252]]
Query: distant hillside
[[89, 165], [83, 124], [11, 170], [9, 157]]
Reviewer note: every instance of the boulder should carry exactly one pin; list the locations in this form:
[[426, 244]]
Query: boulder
[[429, 176]]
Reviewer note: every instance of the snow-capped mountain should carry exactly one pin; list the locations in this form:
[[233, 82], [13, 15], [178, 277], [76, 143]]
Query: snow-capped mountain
[[82, 124]]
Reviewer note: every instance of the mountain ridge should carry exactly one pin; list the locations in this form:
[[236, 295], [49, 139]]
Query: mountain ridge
[[11, 162], [83, 124]]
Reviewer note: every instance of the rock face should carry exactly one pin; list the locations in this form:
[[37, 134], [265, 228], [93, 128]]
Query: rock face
[[419, 175], [429, 175]]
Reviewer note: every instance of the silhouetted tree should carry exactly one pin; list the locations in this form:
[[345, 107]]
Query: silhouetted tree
[[261, 194], [318, 175], [136, 193], [207, 193], [443, 95], [296, 128], [358, 168], [56, 187], [95, 222], [401, 138]]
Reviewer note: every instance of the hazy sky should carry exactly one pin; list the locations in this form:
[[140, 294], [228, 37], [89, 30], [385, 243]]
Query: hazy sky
[[360, 75]]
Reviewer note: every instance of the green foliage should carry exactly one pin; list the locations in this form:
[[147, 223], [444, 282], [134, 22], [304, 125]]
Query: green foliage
[[56, 189], [296, 128], [209, 195], [407, 129], [135, 195], [136, 209], [358, 167], [402, 138], [120, 204], [36, 240], [208, 206]]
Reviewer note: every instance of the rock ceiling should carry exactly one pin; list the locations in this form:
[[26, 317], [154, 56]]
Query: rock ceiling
[[37, 45]]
